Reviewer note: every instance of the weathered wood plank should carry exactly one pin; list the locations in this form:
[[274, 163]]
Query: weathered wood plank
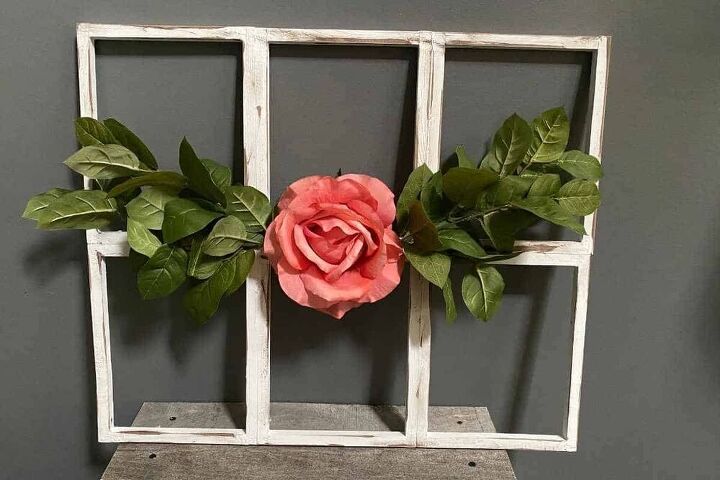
[[428, 118], [209, 462], [311, 416], [256, 134]]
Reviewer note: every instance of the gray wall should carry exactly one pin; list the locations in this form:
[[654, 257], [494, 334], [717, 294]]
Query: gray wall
[[649, 406]]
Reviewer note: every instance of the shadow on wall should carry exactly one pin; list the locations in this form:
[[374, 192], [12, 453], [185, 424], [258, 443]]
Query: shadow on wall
[[45, 260]]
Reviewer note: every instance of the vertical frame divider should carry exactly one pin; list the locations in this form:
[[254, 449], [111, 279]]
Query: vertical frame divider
[[256, 128], [428, 118], [97, 271], [598, 84], [577, 351], [97, 276]]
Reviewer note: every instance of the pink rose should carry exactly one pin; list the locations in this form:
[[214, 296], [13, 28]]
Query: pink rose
[[332, 244]]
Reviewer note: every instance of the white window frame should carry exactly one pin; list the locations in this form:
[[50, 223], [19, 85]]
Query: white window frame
[[431, 53]]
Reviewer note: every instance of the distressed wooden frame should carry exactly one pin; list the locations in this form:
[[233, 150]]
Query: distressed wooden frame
[[431, 61]]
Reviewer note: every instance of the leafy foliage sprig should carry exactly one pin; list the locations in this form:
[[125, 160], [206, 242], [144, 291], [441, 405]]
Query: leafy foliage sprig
[[526, 176], [193, 226]]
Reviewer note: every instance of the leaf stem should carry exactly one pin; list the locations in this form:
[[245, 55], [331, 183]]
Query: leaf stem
[[478, 214], [525, 167]]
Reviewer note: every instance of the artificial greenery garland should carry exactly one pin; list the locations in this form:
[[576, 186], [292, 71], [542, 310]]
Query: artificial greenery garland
[[197, 226], [526, 176]]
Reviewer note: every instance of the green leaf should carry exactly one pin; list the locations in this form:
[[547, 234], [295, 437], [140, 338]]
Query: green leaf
[[490, 162], [220, 175], [254, 238], [463, 158], [249, 205], [243, 263], [82, 209], [580, 165], [102, 162], [537, 169], [41, 201], [460, 241], [511, 143], [89, 131], [201, 266], [550, 136], [503, 226], [450, 310], [169, 180], [203, 300], [482, 291], [208, 205], [226, 237], [141, 239], [206, 177], [579, 197], [464, 185], [548, 209], [435, 267], [424, 233], [163, 273], [184, 217], [431, 197], [545, 185], [410, 192], [502, 192], [148, 208], [129, 140]]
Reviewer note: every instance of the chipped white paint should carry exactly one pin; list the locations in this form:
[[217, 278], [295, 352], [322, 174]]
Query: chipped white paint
[[428, 118], [496, 441], [344, 438], [526, 42], [431, 53], [256, 134]]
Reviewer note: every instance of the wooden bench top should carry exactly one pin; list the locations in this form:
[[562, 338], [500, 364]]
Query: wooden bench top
[[210, 462]]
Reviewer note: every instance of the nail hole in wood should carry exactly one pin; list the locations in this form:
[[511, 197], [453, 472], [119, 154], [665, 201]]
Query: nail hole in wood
[[172, 419], [472, 464], [152, 455], [459, 422]]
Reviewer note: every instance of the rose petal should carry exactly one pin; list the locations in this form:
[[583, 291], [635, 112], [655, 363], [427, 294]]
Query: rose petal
[[284, 234], [339, 310], [392, 242], [296, 188], [328, 223], [348, 287], [270, 247], [384, 283], [384, 196], [291, 283], [373, 265], [302, 244], [330, 246], [350, 258]]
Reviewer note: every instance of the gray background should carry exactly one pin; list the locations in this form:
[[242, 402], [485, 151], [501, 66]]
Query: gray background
[[651, 383]]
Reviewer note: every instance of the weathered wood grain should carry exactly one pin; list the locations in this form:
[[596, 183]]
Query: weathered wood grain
[[172, 462], [256, 135], [309, 416], [428, 119], [223, 462]]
